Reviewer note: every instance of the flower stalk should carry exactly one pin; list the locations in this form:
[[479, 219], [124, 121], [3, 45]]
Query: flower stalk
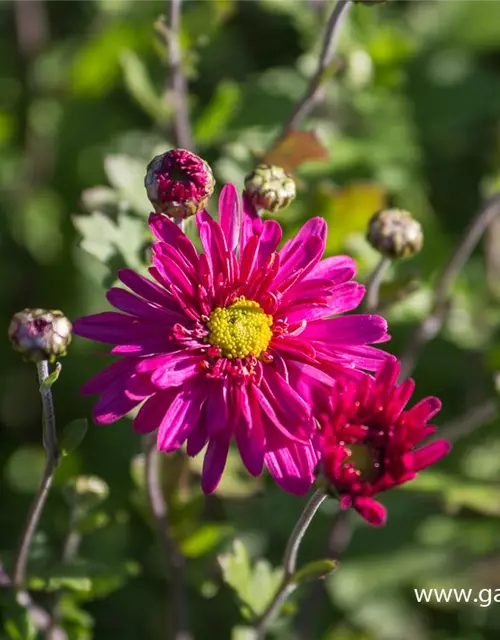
[[313, 93], [51, 462], [290, 563], [373, 284]]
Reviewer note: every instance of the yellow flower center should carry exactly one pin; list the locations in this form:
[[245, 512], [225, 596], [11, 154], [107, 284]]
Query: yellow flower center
[[240, 330], [361, 458]]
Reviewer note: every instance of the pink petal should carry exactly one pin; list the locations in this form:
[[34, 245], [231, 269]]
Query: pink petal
[[117, 400], [214, 463], [217, 408], [175, 370], [424, 410], [371, 510], [166, 230], [181, 417], [338, 269], [302, 259], [129, 303], [348, 330], [230, 216], [430, 454], [119, 370], [315, 227], [249, 433], [147, 289], [153, 411], [292, 466]]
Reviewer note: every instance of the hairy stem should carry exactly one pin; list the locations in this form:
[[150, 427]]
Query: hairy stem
[[173, 559], [373, 285], [289, 563], [176, 83], [431, 325], [313, 93], [51, 462]]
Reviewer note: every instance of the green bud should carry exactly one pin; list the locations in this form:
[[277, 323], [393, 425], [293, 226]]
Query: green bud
[[395, 233], [270, 188]]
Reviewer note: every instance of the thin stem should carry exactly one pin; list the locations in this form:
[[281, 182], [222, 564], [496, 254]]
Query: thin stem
[[51, 462], [289, 563], [173, 559], [373, 285], [313, 93], [176, 83], [431, 325]]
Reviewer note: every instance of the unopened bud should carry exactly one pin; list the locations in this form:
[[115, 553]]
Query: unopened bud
[[179, 183], [269, 187], [40, 334], [395, 233]]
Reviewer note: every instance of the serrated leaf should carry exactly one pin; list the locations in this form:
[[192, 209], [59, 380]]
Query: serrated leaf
[[254, 586], [72, 435], [126, 175], [142, 89], [315, 570], [116, 243], [295, 149], [205, 539]]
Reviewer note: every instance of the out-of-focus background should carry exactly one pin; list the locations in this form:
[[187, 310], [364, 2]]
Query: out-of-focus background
[[410, 118]]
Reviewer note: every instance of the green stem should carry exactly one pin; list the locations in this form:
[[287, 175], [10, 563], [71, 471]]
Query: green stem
[[373, 285], [51, 462], [289, 563]]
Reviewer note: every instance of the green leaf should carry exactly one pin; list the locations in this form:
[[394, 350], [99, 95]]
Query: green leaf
[[116, 243], [51, 378], [205, 539], [24, 469], [254, 586], [316, 570], [72, 435], [142, 89], [126, 175]]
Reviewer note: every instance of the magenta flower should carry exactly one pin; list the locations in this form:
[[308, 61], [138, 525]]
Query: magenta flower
[[233, 342], [369, 444]]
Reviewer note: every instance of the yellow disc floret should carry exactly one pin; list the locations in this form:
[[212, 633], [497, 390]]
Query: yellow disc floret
[[243, 329]]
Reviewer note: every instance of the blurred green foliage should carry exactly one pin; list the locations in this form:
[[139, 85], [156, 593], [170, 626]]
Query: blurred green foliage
[[411, 118]]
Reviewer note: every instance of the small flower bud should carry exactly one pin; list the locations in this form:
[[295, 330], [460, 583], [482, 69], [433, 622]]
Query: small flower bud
[[40, 334], [179, 183], [269, 187], [395, 233]]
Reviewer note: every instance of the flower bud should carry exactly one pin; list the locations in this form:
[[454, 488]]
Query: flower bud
[[269, 187], [395, 233], [179, 183], [40, 334]]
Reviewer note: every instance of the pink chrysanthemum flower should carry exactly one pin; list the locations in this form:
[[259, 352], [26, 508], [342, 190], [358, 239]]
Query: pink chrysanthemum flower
[[369, 444], [231, 342]]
